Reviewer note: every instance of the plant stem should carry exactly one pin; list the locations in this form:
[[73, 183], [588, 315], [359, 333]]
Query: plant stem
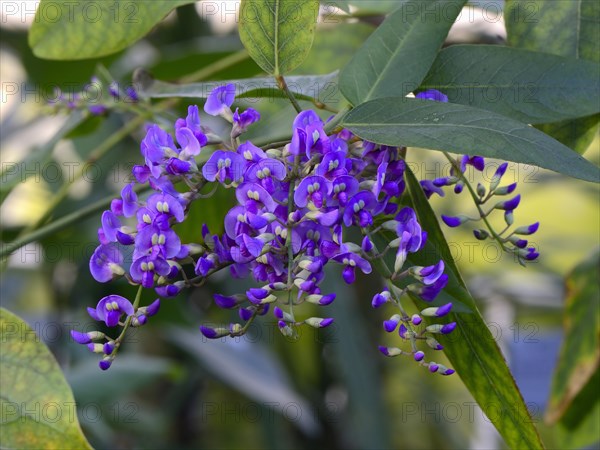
[[284, 87], [58, 225], [475, 197], [28, 234]]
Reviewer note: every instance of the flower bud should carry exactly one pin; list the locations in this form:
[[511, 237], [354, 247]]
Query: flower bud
[[285, 329], [105, 363], [509, 205], [391, 324], [418, 356], [317, 322], [245, 313], [518, 242], [495, 181], [443, 370], [505, 190], [453, 222], [442, 329], [390, 351], [433, 343], [437, 311], [527, 230], [509, 218], [380, 298], [235, 328], [214, 333], [416, 319], [480, 190], [481, 235], [96, 348], [321, 300]]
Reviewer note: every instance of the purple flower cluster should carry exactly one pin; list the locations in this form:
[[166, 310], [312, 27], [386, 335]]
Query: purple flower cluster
[[294, 205], [96, 98]]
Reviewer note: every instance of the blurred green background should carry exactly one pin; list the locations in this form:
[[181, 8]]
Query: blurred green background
[[172, 388]]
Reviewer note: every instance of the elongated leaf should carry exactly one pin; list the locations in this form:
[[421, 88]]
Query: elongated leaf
[[13, 173], [38, 409], [396, 57], [471, 348], [68, 30], [532, 87], [580, 354], [579, 427], [304, 87], [568, 28], [248, 368], [462, 129], [278, 34]]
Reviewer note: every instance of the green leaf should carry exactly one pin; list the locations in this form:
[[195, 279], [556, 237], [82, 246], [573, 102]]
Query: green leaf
[[278, 34], [521, 84], [575, 134], [465, 130], [68, 30], [471, 348], [304, 87], [38, 408], [564, 28], [580, 353], [569, 28], [13, 173], [578, 428], [396, 57]]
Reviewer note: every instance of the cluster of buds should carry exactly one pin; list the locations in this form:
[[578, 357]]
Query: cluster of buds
[[96, 97]]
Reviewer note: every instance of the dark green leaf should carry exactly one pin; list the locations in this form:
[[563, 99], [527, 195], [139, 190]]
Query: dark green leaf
[[396, 57], [38, 409], [567, 28], [68, 30], [579, 426], [304, 87], [576, 134], [278, 34], [471, 348], [580, 354], [531, 87], [462, 129]]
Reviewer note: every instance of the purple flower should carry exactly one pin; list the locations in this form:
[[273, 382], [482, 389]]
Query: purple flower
[[225, 167], [428, 275], [242, 121], [343, 188], [111, 308], [428, 293], [105, 263], [143, 270], [432, 94], [158, 241], [313, 189], [357, 211], [130, 199], [429, 188], [192, 122], [220, 100], [351, 261]]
